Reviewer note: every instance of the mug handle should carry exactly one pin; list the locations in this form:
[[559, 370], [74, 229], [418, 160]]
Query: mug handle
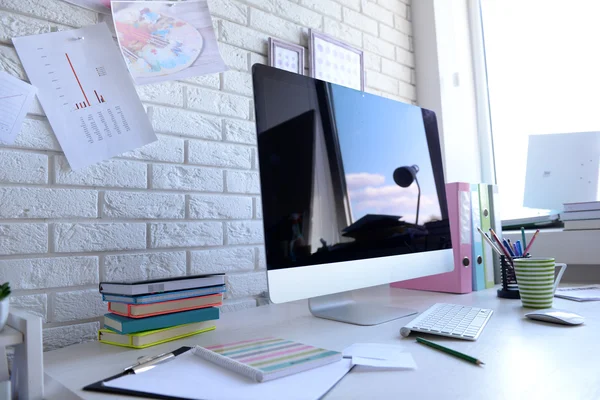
[[560, 274]]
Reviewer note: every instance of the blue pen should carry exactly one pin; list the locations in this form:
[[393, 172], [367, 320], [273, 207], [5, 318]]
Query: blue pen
[[508, 247], [519, 248]]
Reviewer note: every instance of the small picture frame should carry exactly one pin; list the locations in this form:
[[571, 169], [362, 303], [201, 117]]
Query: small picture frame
[[286, 56], [334, 61]]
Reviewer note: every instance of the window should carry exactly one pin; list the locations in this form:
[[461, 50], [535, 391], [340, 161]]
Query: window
[[543, 68]]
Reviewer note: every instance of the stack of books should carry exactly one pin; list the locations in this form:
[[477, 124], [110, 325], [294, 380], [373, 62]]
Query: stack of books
[[147, 313], [581, 216]]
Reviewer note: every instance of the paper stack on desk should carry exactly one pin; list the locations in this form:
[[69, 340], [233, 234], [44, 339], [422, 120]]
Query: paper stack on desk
[[582, 293]]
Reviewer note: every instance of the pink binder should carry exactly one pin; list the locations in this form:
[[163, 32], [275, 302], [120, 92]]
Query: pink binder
[[460, 279]]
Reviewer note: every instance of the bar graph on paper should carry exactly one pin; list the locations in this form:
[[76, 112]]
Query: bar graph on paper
[[87, 94]]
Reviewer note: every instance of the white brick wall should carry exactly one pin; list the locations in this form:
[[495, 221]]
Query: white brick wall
[[185, 204]]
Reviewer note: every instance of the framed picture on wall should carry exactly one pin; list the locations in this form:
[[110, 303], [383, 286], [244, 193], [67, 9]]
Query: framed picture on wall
[[334, 61], [286, 56]]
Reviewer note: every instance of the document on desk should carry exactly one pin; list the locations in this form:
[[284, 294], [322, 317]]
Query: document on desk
[[190, 377], [16, 97], [582, 293], [379, 356], [86, 92], [404, 361]]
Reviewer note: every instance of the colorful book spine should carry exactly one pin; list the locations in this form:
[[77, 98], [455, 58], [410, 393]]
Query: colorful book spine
[[478, 245], [165, 307], [145, 339], [122, 324], [160, 297], [496, 224], [486, 224]]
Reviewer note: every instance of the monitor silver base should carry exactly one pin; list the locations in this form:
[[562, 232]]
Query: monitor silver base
[[341, 307]]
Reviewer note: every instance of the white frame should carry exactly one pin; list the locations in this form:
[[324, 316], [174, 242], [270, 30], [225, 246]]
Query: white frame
[[27, 379], [484, 124], [275, 43], [311, 50], [298, 283], [550, 241]]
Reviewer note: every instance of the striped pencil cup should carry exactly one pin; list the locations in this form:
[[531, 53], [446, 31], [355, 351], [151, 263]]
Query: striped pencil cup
[[536, 280]]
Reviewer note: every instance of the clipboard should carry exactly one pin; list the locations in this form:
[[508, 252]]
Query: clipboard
[[100, 387]]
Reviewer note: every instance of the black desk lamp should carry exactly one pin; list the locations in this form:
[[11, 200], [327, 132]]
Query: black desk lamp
[[404, 177]]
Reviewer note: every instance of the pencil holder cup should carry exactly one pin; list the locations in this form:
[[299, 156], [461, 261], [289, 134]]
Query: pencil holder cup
[[510, 287]]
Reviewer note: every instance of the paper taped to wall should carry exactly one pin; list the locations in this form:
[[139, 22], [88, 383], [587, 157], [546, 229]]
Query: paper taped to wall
[[86, 93], [15, 100], [163, 40]]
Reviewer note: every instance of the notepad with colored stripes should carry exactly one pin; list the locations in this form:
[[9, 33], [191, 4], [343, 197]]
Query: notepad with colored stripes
[[267, 358]]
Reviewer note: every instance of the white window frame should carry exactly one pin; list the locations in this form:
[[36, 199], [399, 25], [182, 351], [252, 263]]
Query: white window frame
[[434, 91], [574, 247]]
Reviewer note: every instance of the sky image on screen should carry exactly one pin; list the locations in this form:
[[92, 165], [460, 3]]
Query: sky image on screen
[[385, 135]]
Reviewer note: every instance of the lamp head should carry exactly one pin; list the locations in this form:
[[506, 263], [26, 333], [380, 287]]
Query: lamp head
[[405, 176]]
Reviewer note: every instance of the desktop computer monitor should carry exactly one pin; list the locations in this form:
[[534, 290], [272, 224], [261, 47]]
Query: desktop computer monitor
[[352, 191]]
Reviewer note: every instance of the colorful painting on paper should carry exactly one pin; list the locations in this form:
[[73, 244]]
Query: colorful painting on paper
[[166, 40]]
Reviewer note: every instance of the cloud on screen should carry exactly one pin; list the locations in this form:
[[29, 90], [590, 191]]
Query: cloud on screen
[[362, 179], [369, 195]]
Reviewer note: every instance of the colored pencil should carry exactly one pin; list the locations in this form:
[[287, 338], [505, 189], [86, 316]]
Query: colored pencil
[[508, 247], [519, 248], [504, 250], [524, 239], [531, 242], [487, 239], [446, 350]]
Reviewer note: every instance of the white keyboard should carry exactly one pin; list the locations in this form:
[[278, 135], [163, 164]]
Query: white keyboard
[[452, 320]]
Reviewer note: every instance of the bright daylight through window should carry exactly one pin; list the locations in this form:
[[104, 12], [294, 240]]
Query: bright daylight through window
[[543, 67]]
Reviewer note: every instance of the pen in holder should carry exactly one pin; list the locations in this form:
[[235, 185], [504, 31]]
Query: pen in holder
[[510, 287]]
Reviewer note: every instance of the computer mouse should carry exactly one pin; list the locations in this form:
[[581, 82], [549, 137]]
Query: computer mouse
[[556, 316]]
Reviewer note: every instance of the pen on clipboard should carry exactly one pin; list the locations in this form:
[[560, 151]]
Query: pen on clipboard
[[147, 363]]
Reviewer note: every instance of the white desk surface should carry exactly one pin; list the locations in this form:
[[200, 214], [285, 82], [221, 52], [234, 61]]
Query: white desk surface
[[524, 359]]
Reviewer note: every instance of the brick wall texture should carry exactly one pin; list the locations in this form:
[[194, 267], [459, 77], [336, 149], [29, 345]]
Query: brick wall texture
[[187, 204]]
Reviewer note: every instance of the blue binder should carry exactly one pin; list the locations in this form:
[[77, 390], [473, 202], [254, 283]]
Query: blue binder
[[477, 242]]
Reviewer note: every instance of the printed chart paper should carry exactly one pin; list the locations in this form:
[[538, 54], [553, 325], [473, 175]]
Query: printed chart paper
[[86, 93], [15, 100], [162, 40]]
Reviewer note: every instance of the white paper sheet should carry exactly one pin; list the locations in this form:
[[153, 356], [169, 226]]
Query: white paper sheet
[[191, 377], [165, 40], [379, 356], [86, 92], [377, 351], [582, 293], [15, 100], [400, 362]]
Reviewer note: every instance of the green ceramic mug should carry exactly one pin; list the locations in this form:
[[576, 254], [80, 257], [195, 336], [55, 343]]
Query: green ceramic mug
[[535, 277]]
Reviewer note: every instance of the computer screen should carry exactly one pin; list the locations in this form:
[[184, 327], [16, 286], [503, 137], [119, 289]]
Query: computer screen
[[328, 156]]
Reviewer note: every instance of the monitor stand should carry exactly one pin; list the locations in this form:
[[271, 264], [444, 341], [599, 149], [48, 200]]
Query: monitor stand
[[343, 308]]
